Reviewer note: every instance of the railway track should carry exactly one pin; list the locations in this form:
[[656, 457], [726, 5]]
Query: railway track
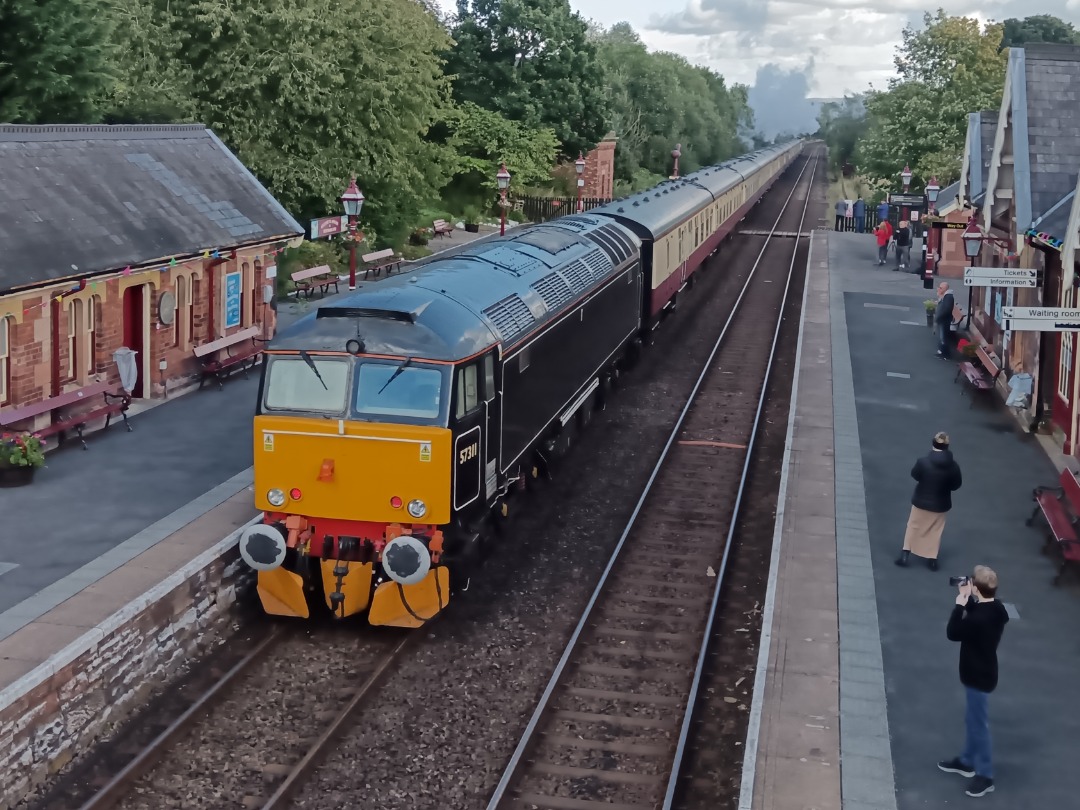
[[612, 727], [275, 710]]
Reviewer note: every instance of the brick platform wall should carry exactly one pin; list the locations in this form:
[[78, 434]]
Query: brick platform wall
[[49, 717]]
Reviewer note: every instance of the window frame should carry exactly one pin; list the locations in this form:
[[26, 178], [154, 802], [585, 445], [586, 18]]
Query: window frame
[[462, 408], [265, 407], [5, 359]]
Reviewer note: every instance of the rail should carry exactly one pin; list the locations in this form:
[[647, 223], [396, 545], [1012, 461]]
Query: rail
[[517, 768]]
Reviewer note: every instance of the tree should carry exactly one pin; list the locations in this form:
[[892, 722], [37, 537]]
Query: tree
[[841, 124], [308, 96], [54, 60], [1038, 28], [531, 61], [948, 69]]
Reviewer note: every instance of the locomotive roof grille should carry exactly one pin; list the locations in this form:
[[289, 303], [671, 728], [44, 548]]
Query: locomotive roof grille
[[511, 317], [554, 290], [577, 275], [509, 260]]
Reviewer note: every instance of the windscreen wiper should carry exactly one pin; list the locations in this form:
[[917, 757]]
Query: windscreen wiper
[[311, 364], [394, 376]]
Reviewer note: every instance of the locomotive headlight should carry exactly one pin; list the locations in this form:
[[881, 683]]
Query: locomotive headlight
[[417, 508], [276, 497]]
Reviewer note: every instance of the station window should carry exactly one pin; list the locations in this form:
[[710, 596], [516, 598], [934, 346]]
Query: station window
[[93, 307], [74, 331], [1065, 365], [5, 365], [468, 397], [180, 321]]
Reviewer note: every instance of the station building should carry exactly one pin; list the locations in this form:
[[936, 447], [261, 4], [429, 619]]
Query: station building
[[1019, 178], [150, 238]]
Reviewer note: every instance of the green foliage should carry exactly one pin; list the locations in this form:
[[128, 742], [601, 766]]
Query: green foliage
[[21, 450], [531, 61], [55, 60], [840, 125], [946, 70], [659, 100], [1038, 28], [316, 253]]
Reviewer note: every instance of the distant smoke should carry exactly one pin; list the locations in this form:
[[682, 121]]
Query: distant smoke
[[779, 101]]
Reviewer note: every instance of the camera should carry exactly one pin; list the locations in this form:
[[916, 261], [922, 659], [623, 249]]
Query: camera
[[954, 581]]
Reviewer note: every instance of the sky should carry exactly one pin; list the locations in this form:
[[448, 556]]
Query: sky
[[792, 49]]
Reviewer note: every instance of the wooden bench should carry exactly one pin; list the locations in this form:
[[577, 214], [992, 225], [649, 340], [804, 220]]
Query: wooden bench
[[307, 280], [443, 228], [113, 404], [982, 373], [1060, 506], [376, 262], [222, 356]]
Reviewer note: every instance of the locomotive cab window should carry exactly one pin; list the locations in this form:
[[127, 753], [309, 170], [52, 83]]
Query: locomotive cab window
[[468, 391], [399, 391], [294, 385]]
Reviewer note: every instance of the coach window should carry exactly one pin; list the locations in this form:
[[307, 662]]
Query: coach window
[[468, 397]]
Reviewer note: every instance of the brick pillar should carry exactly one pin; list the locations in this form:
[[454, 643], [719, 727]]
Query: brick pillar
[[600, 170]]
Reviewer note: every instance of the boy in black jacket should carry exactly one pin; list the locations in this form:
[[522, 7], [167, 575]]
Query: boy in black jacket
[[977, 622]]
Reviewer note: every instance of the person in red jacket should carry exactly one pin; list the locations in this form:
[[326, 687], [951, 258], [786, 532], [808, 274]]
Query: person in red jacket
[[883, 232]]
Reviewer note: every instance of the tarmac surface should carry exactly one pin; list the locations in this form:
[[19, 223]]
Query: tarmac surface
[[904, 393], [89, 512]]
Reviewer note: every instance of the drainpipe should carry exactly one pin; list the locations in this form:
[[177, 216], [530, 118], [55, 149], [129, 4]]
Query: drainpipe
[[210, 334]]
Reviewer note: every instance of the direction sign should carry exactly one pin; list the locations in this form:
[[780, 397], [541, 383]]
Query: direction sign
[[906, 199], [1040, 319], [949, 226], [1000, 277], [328, 226]]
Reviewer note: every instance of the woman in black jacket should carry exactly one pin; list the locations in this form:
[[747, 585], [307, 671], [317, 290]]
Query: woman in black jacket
[[937, 477]]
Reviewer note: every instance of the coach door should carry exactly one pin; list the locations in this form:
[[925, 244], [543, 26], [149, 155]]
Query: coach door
[[476, 414]]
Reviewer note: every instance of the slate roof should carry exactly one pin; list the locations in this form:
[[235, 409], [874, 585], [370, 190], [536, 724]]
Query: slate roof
[[105, 197], [947, 198], [1045, 115]]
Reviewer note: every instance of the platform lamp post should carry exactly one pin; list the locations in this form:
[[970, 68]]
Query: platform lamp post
[[973, 239], [352, 200], [905, 177], [503, 177], [931, 239], [579, 167], [676, 153]]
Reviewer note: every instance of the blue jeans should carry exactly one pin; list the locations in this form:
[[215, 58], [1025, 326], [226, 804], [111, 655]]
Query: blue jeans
[[860, 224], [943, 336], [977, 722]]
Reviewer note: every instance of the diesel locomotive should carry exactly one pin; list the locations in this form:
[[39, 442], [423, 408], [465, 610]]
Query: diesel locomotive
[[393, 426]]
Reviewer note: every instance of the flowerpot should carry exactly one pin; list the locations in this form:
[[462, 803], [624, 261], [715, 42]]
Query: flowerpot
[[930, 319], [16, 476], [472, 228]]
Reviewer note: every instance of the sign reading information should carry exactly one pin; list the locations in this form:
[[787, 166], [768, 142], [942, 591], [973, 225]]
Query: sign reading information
[[1000, 277], [232, 300]]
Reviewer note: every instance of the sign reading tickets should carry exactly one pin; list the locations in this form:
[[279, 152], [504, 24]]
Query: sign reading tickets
[[232, 300]]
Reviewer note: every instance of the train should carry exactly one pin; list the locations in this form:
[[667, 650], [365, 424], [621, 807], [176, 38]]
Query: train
[[395, 425]]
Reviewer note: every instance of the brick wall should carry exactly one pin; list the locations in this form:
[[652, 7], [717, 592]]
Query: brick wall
[[600, 170], [32, 329], [50, 717]]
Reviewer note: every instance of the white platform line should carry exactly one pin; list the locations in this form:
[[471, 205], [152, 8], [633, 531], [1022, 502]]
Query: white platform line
[[898, 375], [5, 567], [753, 729], [886, 306], [910, 323]]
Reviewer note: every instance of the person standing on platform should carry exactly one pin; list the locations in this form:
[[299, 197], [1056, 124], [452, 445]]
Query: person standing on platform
[[841, 210], [978, 621], [883, 233], [943, 316], [860, 215], [903, 244], [937, 476], [883, 211]]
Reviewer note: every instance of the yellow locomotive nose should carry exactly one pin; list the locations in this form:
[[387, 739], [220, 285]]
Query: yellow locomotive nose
[[361, 471]]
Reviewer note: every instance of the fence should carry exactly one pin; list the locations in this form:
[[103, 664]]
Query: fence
[[541, 209], [847, 224]]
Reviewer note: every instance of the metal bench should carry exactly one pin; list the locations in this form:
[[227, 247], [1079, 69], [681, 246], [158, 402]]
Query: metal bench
[[220, 357], [112, 404], [378, 261], [443, 228], [982, 374], [307, 280], [1060, 506]]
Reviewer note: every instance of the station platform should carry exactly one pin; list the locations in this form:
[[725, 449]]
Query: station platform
[[861, 692]]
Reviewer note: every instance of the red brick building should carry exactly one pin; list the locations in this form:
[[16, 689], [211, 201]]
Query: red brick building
[[600, 170], [151, 238]]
